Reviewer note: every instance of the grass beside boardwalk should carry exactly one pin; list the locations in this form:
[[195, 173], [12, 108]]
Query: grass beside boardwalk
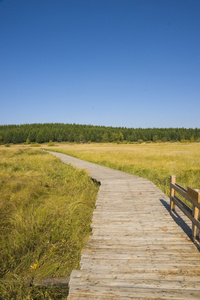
[[45, 214], [155, 161]]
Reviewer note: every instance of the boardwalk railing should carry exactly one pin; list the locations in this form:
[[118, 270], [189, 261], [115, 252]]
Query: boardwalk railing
[[191, 195]]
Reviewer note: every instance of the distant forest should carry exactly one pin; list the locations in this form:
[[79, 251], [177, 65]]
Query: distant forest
[[58, 132]]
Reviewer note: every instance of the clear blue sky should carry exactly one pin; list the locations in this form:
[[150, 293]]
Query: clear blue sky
[[130, 63]]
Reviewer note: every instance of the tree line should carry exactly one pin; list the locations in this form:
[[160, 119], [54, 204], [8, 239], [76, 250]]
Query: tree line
[[59, 132]]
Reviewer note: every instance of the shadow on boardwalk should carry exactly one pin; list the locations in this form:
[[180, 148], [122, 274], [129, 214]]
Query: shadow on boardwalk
[[185, 223]]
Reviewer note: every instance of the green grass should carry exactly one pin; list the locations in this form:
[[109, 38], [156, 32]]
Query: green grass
[[45, 214]]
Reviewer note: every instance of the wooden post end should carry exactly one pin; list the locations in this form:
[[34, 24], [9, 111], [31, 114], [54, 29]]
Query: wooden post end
[[172, 192], [195, 197]]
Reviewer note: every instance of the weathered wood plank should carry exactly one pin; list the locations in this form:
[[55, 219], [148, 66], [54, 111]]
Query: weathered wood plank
[[133, 292]]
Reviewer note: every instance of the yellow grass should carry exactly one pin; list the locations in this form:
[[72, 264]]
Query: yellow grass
[[153, 161], [45, 213]]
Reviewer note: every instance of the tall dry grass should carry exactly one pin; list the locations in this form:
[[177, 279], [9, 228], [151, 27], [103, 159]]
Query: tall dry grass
[[153, 161], [45, 214]]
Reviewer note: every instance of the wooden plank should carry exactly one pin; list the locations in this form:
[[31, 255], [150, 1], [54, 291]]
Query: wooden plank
[[183, 204], [136, 276], [185, 194], [185, 211], [172, 193], [136, 283], [193, 194], [134, 292]]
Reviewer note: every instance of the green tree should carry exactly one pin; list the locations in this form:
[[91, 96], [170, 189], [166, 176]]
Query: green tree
[[121, 137], [155, 138], [140, 141], [105, 137], [192, 140]]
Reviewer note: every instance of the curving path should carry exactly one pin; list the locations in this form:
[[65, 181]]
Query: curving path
[[137, 250]]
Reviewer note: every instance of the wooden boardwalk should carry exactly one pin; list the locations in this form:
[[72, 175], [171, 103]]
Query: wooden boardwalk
[[138, 250]]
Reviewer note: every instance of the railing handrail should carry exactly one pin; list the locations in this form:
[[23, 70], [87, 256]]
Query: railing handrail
[[193, 196]]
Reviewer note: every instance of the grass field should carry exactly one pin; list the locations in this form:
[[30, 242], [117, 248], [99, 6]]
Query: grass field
[[156, 161], [46, 206], [45, 215]]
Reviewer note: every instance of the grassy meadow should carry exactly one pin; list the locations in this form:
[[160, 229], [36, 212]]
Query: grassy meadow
[[154, 161], [45, 214], [46, 206]]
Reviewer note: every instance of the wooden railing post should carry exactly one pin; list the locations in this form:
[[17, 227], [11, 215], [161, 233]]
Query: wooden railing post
[[172, 193], [195, 196]]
